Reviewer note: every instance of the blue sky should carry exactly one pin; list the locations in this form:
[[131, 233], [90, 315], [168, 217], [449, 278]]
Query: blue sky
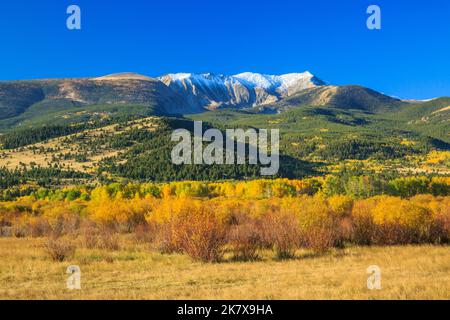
[[408, 58]]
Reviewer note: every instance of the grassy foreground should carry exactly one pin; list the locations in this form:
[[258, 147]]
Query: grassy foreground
[[136, 272]]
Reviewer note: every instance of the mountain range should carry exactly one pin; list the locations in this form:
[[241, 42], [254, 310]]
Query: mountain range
[[184, 93], [119, 126]]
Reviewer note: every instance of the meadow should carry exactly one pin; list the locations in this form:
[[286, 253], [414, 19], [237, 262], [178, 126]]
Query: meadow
[[135, 272], [263, 239]]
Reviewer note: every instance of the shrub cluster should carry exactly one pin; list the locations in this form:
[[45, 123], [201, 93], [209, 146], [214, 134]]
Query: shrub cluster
[[208, 229], [60, 249], [204, 228]]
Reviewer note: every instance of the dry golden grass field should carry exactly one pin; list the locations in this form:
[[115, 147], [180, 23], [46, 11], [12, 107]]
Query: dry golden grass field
[[136, 272]]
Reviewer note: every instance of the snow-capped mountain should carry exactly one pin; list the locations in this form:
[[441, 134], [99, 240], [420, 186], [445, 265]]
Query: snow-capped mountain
[[186, 93], [210, 91]]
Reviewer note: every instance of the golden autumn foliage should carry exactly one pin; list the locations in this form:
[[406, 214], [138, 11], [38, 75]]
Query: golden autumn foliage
[[341, 205], [118, 211], [438, 157], [208, 220]]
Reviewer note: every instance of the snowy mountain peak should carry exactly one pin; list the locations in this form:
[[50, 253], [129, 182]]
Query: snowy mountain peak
[[251, 79], [285, 81], [248, 89], [258, 80]]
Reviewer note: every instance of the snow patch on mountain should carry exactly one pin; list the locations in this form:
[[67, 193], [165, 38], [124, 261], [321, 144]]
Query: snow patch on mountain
[[249, 79], [244, 90], [284, 81]]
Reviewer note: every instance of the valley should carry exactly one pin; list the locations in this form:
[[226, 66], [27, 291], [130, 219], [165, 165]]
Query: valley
[[118, 127]]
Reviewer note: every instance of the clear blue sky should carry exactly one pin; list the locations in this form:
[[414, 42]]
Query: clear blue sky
[[409, 57]]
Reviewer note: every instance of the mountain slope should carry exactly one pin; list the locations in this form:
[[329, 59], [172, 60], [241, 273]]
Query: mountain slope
[[428, 117], [138, 149], [345, 97], [44, 96], [16, 97]]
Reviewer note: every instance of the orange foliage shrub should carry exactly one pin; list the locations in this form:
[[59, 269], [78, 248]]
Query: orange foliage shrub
[[245, 237], [282, 232], [190, 226], [145, 233]]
